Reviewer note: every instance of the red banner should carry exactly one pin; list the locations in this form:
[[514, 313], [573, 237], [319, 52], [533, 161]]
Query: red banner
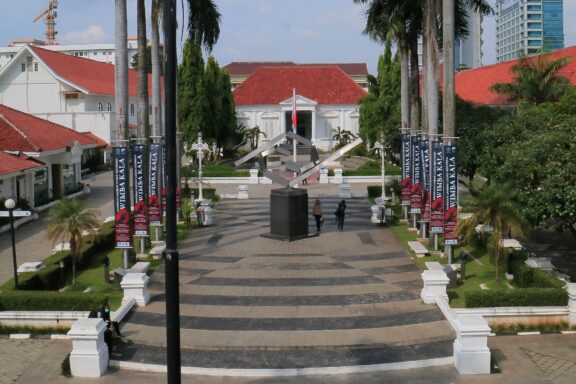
[[451, 196], [121, 197]]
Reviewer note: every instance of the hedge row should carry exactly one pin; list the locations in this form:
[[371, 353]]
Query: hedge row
[[523, 297], [51, 301], [527, 277]]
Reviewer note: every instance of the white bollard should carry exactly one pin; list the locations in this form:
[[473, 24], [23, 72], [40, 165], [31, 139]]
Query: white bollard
[[337, 179], [572, 303], [208, 219], [89, 357], [345, 191], [253, 176], [242, 192], [323, 176], [135, 285], [471, 352], [435, 283]]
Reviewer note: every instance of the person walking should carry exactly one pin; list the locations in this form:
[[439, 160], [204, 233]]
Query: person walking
[[317, 212], [340, 213]]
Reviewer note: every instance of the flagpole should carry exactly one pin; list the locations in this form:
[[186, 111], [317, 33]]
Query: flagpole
[[294, 122]]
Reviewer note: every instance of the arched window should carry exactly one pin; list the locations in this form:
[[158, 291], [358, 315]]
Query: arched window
[[100, 107], [109, 107], [131, 109]]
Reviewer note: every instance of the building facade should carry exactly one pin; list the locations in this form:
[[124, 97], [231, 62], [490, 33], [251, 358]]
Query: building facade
[[527, 27]]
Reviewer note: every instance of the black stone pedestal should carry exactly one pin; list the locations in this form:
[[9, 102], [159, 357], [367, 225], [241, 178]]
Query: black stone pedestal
[[288, 214]]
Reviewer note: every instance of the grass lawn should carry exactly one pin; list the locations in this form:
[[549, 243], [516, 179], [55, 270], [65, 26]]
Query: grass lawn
[[479, 270]]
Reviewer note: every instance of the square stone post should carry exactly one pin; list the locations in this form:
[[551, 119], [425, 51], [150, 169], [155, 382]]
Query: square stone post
[[323, 176], [435, 283], [89, 357], [135, 285], [242, 192], [572, 303], [337, 179], [253, 176], [471, 353]]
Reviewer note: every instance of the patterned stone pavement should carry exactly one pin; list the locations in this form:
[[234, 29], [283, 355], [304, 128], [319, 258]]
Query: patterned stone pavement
[[16, 356]]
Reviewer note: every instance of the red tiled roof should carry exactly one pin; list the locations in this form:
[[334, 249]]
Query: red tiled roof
[[100, 143], [323, 84], [474, 84], [20, 131], [94, 76], [11, 163], [246, 68]]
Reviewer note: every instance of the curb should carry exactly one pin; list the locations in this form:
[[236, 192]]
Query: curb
[[286, 372], [29, 336]]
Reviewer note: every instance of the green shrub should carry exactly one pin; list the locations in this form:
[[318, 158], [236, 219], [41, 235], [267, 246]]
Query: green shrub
[[207, 193], [330, 172], [372, 168], [374, 191], [524, 297], [51, 301]]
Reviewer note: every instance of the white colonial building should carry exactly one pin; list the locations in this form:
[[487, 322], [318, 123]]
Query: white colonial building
[[69, 90], [326, 99]]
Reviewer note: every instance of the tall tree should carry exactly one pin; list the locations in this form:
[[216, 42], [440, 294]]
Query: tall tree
[[537, 80], [156, 11], [143, 100], [66, 222], [203, 23], [191, 100], [121, 70]]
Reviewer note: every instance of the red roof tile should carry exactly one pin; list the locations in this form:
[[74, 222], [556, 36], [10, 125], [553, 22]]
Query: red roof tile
[[93, 76], [20, 131], [100, 143], [474, 84], [246, 68], [323, 84], [11, 163]]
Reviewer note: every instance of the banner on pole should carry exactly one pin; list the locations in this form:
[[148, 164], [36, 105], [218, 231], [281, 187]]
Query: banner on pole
[[425, 160], [406, 161], [164, 176], [437, 189], [140, 203], [121, 197], [416, 189], [451, 195], [155, 163]]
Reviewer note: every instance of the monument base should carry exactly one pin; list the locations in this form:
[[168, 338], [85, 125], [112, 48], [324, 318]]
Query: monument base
[[288, 214]]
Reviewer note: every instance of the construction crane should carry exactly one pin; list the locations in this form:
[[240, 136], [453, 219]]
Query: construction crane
[[49, 15]]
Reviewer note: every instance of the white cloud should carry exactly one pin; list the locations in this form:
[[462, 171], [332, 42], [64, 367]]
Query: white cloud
[[92, 34]]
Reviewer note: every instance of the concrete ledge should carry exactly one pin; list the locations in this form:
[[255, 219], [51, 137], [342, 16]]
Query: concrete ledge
[[289, 372]]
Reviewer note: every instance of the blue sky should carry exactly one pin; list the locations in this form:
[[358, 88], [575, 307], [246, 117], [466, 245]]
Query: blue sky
[[251, 30]]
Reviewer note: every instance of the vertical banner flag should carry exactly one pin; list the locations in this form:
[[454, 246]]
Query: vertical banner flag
[[425, 160], [451, 195], [437, 187], [154, 185], [164, 176], [416, 189], [294, 112], [140, 203], [406, 161], [122, 197]]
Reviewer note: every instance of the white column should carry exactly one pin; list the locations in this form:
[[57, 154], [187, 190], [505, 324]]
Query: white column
[[89, 357], [337, 179], [435, 283], [254, 176], [314, 126], [324, 176], [471, 353], [135, 285]]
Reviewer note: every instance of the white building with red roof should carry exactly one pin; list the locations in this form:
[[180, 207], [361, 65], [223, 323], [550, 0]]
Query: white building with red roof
[[326, 98], [56, 149], [18, 174], [69, 90]]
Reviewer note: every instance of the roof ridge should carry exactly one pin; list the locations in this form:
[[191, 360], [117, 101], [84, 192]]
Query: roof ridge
[[28, 140]]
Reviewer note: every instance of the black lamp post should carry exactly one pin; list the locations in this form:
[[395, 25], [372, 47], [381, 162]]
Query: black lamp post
[[10, 204]]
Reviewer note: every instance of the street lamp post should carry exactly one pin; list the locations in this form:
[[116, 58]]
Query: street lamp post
[[10, 204], [382, 147], [199, 146]]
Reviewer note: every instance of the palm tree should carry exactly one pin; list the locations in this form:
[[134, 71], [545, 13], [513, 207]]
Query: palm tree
[[253, 135], [143, 100], [121, 70], [67, 220], [203, 23], [537, 80], [156, 66], [492, 206], [342, 136]]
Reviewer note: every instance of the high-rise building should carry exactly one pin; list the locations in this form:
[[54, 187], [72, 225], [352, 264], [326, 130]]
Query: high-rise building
[[527, 27]]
